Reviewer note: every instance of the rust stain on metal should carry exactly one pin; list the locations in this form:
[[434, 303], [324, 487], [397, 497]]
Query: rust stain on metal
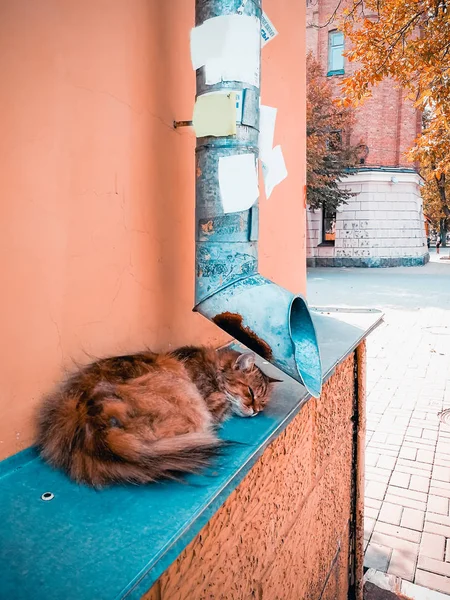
[[232, 324], [198, 172], [207, 227]]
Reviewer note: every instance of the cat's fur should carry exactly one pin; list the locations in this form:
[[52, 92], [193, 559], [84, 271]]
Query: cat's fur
[[147, 416]]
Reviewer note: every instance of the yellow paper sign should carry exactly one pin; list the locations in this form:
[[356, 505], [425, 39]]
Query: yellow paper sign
[[215, 114]]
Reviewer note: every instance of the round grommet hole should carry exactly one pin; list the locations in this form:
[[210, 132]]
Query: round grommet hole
[[46, 496]]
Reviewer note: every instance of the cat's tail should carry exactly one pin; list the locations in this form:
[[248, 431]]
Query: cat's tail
[[140, 462], [87, 440]]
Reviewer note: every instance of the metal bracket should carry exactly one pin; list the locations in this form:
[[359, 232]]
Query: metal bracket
[[250, 116], [254, 223], [177, 124]]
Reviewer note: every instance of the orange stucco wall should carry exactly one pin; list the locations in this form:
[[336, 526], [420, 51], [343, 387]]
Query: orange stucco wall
[[284, 533], [97, 189]]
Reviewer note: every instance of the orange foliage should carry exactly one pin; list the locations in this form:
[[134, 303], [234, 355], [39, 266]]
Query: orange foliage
[[408, 40]]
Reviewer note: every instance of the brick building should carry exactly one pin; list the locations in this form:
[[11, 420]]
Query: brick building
[[383, 224]]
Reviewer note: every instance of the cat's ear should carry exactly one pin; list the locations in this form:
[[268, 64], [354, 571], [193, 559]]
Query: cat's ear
[[273, 380], [245, 362]]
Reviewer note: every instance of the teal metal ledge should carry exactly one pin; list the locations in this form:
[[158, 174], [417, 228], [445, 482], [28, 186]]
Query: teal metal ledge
[[105, 545]]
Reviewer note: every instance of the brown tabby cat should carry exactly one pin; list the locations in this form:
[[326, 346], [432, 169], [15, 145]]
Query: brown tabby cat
[[147, 416]]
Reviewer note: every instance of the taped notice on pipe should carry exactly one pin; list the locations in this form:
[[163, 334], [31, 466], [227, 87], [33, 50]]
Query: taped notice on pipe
[[274, 170], [215, 114], [268, 31], [238, 182], [239, 100], [228, 48]]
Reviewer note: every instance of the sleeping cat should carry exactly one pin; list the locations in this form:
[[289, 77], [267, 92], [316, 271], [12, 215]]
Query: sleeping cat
[[147, 416]]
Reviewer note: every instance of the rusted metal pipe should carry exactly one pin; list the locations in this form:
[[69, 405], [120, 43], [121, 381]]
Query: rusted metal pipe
[[229, 291], [226, 244]]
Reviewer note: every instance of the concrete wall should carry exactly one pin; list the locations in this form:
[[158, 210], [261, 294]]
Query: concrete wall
[[276, 536], [382, 225], [97, 226]]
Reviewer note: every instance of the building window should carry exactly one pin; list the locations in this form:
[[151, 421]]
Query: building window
[[328, 226], [335, 53], [334, 141]]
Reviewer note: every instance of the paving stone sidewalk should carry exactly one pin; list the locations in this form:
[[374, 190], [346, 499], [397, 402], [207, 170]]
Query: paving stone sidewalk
[[407, 523]]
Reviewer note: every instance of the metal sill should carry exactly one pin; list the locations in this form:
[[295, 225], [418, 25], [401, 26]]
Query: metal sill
[[333, 73], [116, 543]]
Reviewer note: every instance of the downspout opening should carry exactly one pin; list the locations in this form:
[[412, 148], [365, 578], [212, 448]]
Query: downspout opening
[[272, 322], [306, 350]]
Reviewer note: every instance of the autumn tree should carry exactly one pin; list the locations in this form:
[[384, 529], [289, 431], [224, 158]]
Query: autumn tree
[[435, 193], [329, 154], [432, 202], [408, 40]]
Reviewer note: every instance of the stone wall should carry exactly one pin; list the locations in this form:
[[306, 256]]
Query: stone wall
[[382, 225], [284, 533]]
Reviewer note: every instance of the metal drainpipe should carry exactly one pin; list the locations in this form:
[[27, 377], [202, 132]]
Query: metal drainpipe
[[229, 291]]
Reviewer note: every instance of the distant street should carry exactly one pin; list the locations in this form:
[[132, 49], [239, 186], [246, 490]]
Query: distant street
[[407, 526], [401, 288]]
